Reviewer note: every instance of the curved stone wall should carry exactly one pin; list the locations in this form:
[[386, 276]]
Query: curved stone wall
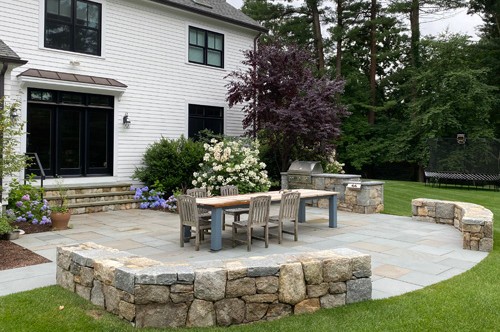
[[474, 221], [223, 292]]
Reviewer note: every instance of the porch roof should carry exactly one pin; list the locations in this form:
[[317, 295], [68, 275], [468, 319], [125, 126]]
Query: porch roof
[[69, 77]]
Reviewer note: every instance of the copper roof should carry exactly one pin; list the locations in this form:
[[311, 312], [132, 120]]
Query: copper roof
[[69, 77]]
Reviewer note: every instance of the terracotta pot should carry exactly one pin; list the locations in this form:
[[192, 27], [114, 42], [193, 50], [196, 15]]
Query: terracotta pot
[[60, 220]]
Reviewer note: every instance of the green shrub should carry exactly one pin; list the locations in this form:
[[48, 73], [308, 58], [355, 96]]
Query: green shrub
[[5, 226], [170, 163]]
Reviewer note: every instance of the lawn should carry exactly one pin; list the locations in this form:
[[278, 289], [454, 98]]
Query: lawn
[[468, 302]]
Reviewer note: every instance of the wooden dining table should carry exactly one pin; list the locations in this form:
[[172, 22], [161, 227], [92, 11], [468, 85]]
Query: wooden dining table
[[218, 204]]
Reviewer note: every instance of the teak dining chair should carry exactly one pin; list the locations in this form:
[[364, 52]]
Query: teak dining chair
[[235, 212], [289, 212], [188, 214], [258, 216], [200, 193]]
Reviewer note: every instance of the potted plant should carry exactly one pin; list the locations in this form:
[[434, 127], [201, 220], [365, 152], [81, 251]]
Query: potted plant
[[8, 232], [60, 213]]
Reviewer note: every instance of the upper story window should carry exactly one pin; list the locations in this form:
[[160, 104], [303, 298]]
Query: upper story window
[[73, 25], [206, 47]]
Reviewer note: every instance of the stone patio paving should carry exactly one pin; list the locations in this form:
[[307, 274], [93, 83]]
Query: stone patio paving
[[406, 255]]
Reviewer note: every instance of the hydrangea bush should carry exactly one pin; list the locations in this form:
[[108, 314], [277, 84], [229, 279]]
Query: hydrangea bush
[[232, 162], [153, 199], [26, 204], [333, 165]]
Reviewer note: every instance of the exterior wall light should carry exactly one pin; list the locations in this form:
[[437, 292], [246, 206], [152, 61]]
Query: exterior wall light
[[461, 139], [126, 121]]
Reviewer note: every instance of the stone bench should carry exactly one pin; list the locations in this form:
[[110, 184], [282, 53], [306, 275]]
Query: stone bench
[[222, 292], [474, 221]]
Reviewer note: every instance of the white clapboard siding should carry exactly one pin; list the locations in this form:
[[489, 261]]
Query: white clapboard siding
[[145, 47]]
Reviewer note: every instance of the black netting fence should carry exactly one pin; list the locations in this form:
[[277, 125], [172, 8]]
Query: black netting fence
[[471, 160]]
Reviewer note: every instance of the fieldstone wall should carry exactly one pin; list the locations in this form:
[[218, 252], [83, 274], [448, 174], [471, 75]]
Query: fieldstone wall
[[474, 221], [365, 197], [223, 292]]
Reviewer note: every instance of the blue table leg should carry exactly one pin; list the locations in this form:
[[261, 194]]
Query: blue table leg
[[332, 211], [187, 233], [302, 210], [216, 231]]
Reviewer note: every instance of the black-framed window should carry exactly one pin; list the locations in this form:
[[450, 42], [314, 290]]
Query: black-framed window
[[206, 47], [205, 117], [73, 25]]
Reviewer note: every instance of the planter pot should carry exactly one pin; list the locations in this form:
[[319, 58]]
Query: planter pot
[[14, 235], [60, 220]]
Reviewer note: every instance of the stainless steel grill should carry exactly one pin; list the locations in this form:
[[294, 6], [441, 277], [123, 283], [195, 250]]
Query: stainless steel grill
[[300, 174]]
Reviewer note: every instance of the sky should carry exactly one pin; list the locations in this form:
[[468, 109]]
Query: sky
[[455, 21]]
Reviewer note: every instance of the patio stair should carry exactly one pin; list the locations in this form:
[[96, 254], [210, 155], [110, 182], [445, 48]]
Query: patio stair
[[89, 198]]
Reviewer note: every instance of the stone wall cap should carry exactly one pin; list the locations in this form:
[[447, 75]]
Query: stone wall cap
[[337, 176]]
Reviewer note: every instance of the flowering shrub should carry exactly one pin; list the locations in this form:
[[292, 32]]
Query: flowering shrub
[[232, 162], [152, 199], [26, 204], [333, 166]]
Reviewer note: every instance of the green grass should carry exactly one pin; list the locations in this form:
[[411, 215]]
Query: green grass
[[468, 302]]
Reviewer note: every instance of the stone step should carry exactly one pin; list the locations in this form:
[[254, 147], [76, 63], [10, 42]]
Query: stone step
[[95, 197], [92, 207]]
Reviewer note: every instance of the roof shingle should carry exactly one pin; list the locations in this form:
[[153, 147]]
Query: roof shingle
[[8, 55], [218, 9]]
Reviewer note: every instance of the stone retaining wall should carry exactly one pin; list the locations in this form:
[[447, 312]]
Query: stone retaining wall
[[223, 292], [474, 221]]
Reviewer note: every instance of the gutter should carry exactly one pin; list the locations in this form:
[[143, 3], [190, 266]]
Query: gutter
[[4, 61]]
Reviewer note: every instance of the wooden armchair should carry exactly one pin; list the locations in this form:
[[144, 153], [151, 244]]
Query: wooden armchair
[[235, 212], [289, 212], [258, 216], [189, 217]]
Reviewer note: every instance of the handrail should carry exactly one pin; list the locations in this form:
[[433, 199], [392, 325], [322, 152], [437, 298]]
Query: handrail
[[40, 167]]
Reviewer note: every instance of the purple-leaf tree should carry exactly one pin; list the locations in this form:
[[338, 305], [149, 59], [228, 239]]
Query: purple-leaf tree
[[296, 113]]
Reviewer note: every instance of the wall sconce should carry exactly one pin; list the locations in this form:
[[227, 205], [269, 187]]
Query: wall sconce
[[13, 115], [126, 121], [461, 139]]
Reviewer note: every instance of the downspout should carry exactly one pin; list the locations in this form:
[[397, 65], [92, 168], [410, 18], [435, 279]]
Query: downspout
[[2, 94], [5, 65], [255, 71]]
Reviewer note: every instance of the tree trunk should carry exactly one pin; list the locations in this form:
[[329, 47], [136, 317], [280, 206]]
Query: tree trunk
[[318, 38], [415, 33], [340, 24], [373, 62]]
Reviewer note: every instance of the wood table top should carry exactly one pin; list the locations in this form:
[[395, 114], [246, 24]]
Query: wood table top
[[244, 199]]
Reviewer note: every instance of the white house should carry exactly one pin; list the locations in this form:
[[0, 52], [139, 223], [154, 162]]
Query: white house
[[100, 80]]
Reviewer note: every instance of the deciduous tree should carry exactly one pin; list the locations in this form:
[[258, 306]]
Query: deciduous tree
[[285, 103]]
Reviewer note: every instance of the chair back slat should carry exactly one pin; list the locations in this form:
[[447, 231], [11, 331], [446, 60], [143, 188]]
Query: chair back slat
[[228, 190], [188, 211], [289, 206], [197, 192], [259, 210]]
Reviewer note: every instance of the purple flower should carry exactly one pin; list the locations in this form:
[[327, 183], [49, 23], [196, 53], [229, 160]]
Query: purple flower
[[45, 220], [34, 222], [25, 197], [19, 204], [145, 189], [144, 205]]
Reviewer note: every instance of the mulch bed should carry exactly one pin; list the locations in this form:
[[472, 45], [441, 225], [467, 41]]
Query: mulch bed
[[14, 256]]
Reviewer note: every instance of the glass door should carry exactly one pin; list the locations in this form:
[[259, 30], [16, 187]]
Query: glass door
[[72, 133]]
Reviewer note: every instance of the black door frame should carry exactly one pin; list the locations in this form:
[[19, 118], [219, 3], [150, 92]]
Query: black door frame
[[56, 107]]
